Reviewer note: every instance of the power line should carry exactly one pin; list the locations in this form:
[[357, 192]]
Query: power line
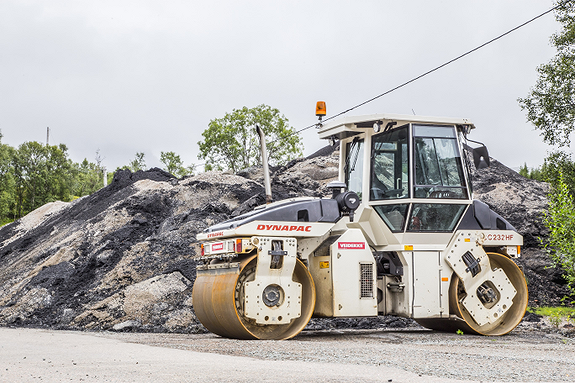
[[423, 74], [426, 73]]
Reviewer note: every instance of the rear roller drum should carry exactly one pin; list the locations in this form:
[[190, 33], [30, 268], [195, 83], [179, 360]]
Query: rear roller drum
[[464, 322], [218, 300]]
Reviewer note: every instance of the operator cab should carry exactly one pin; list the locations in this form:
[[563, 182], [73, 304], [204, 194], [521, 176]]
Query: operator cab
[[409, 169]]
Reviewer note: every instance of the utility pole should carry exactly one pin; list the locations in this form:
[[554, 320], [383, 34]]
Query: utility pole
[[47, 136]]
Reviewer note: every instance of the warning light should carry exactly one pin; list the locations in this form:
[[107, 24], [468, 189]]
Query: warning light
[[320, 109], [238, 246]]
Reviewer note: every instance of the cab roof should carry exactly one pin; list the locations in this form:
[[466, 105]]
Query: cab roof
[[350, 126]]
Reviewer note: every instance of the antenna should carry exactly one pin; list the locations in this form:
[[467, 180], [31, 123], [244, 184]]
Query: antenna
[[47, 136], [267, 182]]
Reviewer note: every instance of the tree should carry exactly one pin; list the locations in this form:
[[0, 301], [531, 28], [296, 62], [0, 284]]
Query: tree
[[138, 163], [232, 143], [29, 171], [533, 173], [34, 174], [550, 104], [6, 181], [174, 164], [559, 165], [42, 174], [87, 178], [524, 170], [550, 107]]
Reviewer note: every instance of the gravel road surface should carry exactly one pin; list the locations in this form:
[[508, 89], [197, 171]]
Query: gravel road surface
[[31, 355]]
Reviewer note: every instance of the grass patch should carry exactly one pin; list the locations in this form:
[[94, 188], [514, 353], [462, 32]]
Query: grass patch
[[553, 311], [5, 221], [556, 315]]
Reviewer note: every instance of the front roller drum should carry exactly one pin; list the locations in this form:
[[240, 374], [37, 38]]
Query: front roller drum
[[462, 320], [218, 297]]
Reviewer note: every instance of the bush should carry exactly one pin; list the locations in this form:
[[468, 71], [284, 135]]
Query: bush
[[560, 221]]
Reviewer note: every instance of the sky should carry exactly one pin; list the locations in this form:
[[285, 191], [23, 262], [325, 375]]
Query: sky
[[121, 77]]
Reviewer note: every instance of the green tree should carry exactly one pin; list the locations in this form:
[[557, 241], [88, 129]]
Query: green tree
[[533, 173], [232, 143], [34, 174], [550, 107], [536, 174], [550, 104], [88, 178], [6, 182], [524, 170], [59, 174], [29, 171], [560, 220], [138, 163], [559, 164], [42, 174], [174, 164]]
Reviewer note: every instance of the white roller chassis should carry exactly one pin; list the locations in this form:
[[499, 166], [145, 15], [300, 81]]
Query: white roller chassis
[[418, 247]]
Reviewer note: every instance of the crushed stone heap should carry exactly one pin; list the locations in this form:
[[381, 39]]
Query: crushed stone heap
[[122, 258]]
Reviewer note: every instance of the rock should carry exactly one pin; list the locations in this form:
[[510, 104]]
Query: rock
[[532, 317], [127, 325]]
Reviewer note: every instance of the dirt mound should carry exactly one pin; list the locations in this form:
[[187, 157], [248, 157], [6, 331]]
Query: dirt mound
[[122, 258], [522, 201]]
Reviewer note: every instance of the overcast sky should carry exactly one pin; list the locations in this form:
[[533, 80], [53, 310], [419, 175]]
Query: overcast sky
[[148, 76]]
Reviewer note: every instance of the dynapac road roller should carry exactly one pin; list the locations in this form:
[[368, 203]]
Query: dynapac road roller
[[401, 235]]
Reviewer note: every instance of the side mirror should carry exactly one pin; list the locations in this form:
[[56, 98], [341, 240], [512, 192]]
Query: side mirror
[[481, 157]]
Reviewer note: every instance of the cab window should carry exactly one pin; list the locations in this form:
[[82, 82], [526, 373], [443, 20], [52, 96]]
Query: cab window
[[435, 217], [354, 166], [389, 165], [438, 165]]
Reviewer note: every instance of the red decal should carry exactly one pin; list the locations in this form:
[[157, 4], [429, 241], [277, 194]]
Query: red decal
[[261, 227], [216, 234], [217, 246], [351, 245]]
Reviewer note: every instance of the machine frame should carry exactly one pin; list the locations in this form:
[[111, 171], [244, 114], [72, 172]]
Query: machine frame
[[391, 247]]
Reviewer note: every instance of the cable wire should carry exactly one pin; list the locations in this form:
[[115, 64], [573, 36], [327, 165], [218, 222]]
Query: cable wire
[[426, 73]]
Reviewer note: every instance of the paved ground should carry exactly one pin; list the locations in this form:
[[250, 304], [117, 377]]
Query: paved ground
[[31, 355], [28, 355]]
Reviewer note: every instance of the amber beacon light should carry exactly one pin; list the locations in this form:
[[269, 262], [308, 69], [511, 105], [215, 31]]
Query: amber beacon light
[[320, 109]]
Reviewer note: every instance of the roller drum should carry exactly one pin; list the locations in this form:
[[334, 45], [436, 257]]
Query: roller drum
[[461, 320], [218, 300]]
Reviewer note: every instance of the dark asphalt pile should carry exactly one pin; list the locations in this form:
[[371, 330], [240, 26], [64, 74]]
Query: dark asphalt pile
[[122, 258]]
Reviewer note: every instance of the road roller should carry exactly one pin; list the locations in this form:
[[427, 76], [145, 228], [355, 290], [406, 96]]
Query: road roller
[[399, 235]]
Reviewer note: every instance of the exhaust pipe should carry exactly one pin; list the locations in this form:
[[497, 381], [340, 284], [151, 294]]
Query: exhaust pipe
[[267, 181]]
